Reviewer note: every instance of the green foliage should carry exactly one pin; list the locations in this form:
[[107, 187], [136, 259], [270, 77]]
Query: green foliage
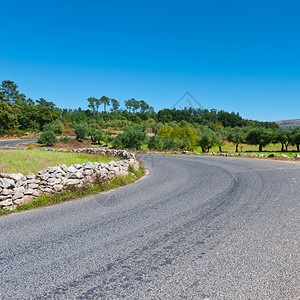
[[237, 136], [156, 142], [206, 140], [260, 136], [285, 137], [132, 138], [81, 131], [296, 137], [65, 139], [48, 138], [186, 134], [8, 119]]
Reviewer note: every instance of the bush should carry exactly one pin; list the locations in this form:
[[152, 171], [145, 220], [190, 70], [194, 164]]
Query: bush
[[48, 138], [56, 126], [131, 138], [81, 132], [48, 127], [156, 142], [64, 139]]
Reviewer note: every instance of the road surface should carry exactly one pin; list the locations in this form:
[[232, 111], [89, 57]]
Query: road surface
[[15, 143], [195, 228]]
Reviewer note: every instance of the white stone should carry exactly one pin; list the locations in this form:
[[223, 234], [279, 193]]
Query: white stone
[[17, 177], [28, 192], [19, 190], [30, 176], [6, 202], [71, 169], [33, 186], [6, 183], [17, 196]]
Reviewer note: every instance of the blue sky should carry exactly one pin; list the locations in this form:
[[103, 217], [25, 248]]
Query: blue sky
[[241, 56]]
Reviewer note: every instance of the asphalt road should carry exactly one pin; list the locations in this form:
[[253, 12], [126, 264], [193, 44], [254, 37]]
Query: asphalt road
[[195, 228], [15, 143]]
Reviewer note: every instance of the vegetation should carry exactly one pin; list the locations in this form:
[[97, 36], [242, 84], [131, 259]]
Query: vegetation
[[132, 127], [48, 138], [32, 161]]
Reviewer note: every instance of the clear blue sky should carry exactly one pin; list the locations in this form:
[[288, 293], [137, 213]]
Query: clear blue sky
[[241, 56]]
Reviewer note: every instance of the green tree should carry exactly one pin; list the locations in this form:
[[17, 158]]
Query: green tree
[[144, 107], [237, 136], [155, 127], [105, 101], [284, 137], [46, 111], [9, 92], [206, 141], [81, 132], [8, 120], [296, 137], [115, 105], [92, 104], [156, 142], [132, 138], [48, 138], [260, 136]]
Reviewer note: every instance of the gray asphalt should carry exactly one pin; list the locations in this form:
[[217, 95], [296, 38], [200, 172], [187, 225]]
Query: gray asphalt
[[195, 228], [15, 143]]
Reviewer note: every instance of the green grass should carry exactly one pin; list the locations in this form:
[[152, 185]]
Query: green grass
[[32, 161], [230, 148], [75, 193]]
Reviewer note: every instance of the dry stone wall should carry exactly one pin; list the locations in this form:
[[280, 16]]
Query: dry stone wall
[[16, 189]]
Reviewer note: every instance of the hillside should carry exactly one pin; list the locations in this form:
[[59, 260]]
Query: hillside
[[288, 124]]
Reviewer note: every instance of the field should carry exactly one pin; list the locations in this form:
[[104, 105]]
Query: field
[[230, 148], [31, 161]]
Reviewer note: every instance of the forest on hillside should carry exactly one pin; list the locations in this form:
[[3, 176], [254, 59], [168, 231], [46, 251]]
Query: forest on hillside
[[136, 123]]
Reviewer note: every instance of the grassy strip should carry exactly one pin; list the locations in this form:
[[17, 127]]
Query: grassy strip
[[75, 193], [26, 161]]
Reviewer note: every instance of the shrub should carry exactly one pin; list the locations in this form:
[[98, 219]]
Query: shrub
[[64, 139], [156, 142], [58, 126], [48, 138], [131, 138], [81, 131]]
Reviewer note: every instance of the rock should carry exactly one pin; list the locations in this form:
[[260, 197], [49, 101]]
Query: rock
[[284, 155], [72, 181], [5, 192], [87, 165], [88, 172], [76, 175], [6, 183], [30, 176], [17, 177], [27, 199], [19, 201], [33, 186], [272, 155], [72, 169], [21, 183], [6, 202], [28, 192], [17, 196], [19, 190], [58, 187], [36, 193], [297, 156]]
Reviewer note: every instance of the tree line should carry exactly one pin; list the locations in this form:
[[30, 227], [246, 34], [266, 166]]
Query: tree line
[[172, 128]]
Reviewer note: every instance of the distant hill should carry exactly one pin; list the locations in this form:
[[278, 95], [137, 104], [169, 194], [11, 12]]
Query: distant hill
[[288, 124]]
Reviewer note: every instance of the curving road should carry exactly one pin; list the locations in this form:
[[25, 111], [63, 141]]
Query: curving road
[[15, 143], [195, 228]]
